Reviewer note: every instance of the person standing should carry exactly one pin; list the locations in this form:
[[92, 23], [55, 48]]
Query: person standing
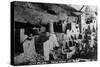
[[29, 48], [49, 45]]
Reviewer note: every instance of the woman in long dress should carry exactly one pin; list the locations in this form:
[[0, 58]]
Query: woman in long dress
[[49, 45], [29, 48]]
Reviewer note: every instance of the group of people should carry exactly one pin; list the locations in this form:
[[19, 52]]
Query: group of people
[[38, 45], [44, 43]]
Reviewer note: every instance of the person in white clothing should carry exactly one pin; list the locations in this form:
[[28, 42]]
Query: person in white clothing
[[49, 45], [29, 48]]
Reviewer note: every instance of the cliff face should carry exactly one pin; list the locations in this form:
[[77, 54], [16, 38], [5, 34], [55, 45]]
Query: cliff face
[[41, 12]]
